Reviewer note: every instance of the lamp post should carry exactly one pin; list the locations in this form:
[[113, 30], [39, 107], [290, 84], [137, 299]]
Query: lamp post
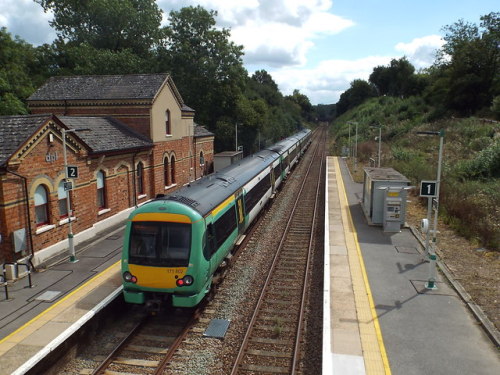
[[355, 151], [430, 251], [71, 245], [379, 127], [349, 144]]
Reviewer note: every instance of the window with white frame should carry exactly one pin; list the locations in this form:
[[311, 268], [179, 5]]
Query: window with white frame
[[140, 178], [202, 159], [61, 200], [41, 206], [168, 123], [101, 190], [172, 169]]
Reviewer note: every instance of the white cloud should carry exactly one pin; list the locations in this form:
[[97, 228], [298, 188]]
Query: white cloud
[[274, 33], [421, 52], [325, 83], [26, 19]]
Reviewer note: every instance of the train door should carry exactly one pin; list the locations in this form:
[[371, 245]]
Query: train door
[[240, 213], [273, 180]]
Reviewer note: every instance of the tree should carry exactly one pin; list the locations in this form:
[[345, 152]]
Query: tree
[[469, 65], [20, 72], [306, 108], [114, 25], [359, 91], [207, 67], [263, 85], [397, 79]]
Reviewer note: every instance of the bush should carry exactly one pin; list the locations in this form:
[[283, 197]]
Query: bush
[[472, 208]]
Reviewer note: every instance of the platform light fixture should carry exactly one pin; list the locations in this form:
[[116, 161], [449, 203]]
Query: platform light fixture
[[379, 127]]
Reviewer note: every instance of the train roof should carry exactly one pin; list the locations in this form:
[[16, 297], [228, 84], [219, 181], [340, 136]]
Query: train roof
[[208, 192]]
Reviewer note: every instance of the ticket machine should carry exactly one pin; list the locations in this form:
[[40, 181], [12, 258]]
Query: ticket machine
[[394, 209]]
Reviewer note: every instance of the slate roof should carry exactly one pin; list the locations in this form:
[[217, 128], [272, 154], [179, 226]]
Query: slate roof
[[102, 87], [106, 134], [16, 130], [201, 131]]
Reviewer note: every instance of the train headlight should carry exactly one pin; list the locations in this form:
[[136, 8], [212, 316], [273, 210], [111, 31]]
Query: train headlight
[[188, 280], [127, 276], [185, 281]]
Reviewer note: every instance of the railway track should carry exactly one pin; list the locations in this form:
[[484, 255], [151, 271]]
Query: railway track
[[272, 340], [148, 346]]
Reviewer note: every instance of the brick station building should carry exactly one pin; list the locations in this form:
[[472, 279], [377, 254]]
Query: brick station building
[[131, 138]]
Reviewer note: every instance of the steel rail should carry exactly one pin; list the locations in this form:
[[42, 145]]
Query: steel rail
[[253, 319], [109, 359], [298, 334]]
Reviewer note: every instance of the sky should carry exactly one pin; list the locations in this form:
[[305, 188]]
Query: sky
[[315, 46]]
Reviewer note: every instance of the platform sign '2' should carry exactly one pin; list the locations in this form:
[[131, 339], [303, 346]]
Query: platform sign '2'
[[72, 171]]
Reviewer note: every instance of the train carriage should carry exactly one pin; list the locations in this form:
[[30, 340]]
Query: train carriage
[[175, 244]]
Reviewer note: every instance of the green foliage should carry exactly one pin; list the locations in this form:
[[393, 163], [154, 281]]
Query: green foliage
[[397, 79], [359, 91], [125, 36], [495, 107], [19, 73], [471, 207], [484, 165], [114, 25], [205, 64], [467, 75], [87, 60]]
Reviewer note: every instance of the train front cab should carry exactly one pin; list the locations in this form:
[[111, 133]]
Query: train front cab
[[162, 259]]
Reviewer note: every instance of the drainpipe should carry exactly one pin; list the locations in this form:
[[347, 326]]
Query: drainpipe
[[25, 186], [133, 180]]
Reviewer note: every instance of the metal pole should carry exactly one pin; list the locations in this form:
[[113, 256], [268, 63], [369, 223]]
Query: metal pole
[[71, 245], [428, 233], [350, 148], [356, 150], [379, 143], [236, 136], [432, 255], [440, 158]]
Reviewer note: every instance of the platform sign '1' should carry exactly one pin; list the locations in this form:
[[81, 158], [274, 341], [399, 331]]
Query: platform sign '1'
[[428, 188]]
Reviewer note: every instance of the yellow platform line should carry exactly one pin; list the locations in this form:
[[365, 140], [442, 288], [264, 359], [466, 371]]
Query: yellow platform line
[[54, 310], [374, 353]]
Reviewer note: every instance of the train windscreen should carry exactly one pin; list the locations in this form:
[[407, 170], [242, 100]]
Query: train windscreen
[[162, 244]]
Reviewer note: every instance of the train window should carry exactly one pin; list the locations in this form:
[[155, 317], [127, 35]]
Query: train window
[[160, 244], [209, 242], [224, 226], [255, 194], [277, 171]]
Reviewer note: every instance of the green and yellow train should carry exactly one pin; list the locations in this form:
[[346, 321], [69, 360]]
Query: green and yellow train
[[175, 245]]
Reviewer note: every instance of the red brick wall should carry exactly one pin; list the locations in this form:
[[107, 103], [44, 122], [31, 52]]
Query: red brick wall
[[137, 117]]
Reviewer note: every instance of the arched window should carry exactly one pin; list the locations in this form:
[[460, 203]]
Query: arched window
[[101, 189], [140, 178], [168, 124], [172, 169], [166, 171], [41, 206], [61, 200], [202, 159]]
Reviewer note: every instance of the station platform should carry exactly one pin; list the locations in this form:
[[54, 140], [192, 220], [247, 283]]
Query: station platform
[[379, 318], [35, 321]]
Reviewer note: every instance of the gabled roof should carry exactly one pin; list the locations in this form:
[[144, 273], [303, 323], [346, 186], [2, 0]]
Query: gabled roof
[[102, 87], [106, 134], [16, 130]]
